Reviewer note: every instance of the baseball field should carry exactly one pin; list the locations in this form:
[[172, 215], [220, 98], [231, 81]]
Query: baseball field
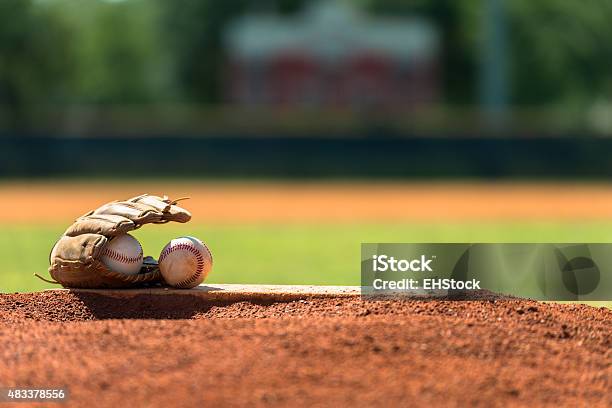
[[159, 350], [303, 233]]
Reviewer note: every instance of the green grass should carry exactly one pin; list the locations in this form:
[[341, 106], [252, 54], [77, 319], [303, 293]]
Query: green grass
[[284, 253]]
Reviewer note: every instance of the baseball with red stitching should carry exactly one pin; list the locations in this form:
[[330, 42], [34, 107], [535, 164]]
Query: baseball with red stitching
[[123, 254], [185, 262]]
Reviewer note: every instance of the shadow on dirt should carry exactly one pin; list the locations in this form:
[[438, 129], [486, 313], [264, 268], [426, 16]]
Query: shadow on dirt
[[148, 306], [158, 303], [184, 306]]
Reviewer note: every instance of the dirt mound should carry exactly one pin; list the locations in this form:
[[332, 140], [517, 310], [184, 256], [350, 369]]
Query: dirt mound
[[61, 306], [333, 351]]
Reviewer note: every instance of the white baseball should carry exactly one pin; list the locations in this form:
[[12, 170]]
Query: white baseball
[[185, 262], [123, 254]]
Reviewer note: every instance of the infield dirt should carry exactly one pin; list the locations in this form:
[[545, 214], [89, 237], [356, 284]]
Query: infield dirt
[[186, 351], [332, 201]]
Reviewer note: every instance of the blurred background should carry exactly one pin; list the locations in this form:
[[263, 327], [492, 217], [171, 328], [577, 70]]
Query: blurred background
[[315, 87], [373, 112]]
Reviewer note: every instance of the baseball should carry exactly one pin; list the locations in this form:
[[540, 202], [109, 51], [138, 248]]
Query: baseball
[[185, 262], [123, 254]]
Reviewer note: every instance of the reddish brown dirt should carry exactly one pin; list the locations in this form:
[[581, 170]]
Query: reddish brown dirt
[[317, 352], [333, 201]]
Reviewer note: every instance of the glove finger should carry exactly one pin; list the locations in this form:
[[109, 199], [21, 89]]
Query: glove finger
[[160, 203], [137, 212], [171, 212], [177, 214], [103, 224]]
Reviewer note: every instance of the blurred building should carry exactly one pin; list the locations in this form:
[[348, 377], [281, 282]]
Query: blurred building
[[332, 55]]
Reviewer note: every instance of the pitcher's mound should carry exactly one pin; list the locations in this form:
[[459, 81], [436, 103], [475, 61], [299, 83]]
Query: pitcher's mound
[[304, 349]]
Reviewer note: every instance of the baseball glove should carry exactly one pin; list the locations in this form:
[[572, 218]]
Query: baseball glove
[[75, 258]]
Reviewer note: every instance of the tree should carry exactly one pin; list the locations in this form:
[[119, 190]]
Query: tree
[[35, 60], [561, 49]]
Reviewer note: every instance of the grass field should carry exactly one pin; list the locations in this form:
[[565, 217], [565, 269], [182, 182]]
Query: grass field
[[291, 232], [315, 253]]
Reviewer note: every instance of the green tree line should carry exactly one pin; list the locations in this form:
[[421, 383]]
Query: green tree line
[[159, 51]]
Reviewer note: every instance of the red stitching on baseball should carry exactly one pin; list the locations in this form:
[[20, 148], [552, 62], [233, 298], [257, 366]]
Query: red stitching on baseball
[[112, 254], [199, 258]]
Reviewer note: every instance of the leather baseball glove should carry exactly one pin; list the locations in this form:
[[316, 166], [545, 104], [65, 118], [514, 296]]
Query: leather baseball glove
[[75, 258]]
